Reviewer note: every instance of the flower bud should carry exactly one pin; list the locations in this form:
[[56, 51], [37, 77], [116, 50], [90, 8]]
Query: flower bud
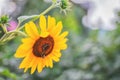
[[4, 19], [65, 5]]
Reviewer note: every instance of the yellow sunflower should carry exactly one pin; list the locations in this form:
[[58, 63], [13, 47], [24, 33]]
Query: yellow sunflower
[[40, 49]]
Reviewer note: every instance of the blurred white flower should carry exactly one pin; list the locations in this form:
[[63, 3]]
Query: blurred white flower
[[48, 0], [100, 13], [7, 7]]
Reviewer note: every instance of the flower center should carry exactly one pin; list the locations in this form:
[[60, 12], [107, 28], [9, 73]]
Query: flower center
[[43, 46]]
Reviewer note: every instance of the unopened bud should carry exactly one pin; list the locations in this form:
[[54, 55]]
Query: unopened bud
[[65, 6], [4, 19]]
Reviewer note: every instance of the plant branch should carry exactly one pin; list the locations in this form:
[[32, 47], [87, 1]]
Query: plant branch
[[43, 13]]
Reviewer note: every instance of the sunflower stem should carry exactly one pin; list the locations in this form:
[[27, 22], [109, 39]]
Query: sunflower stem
[[21, 33]]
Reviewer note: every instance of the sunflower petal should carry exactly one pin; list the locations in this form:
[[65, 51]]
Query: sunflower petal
[[62, 42], [56, 59], [34, 28], [58, 29], [28, 40], [46, 62], [61, 37], [26, 69], [51, 23], [50, 63], [44, 34], [26, 61], [22, 50], [31, 63], [40, 66], [31, 30], [64, 34], [33, 68], [42, 23], [62, 47], [57, 54], [33, 60]]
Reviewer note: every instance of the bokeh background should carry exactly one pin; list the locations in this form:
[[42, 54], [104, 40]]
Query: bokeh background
[[93, 51]]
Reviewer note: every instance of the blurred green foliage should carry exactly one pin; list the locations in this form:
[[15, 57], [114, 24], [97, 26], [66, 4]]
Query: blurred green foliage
[[91, 54]]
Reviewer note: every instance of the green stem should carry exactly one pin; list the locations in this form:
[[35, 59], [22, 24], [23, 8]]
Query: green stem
[[9, 35], [3, 37], [17, 32], [48, 9], [21, 33], [4, 28], [43, 13]]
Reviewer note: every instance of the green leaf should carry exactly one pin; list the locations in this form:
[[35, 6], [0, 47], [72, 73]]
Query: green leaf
[[25, 18], [4, 19], [5, 72]]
